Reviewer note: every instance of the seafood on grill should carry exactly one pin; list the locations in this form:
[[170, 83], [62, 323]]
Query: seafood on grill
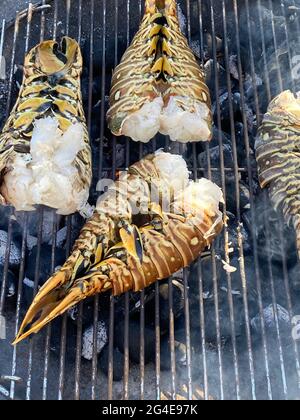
[[45, 156], [278, 156], [159, 85], [133, 240]]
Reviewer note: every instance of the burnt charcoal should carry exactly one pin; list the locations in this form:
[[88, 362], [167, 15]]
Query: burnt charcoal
[[134, 303], [165, 355], [269, 318], [87, 318], [56, 335], [224, 318], [96, 87], [178, 303], [223, 303], [31, 242], [5, 214], [180, 351], [11, 281], [238, 108], [273, 273], [233, 67], [96, 128], [244, 196], [118, 366], [120, 155], [176, 148], [61, 237], [149, 302], [269, 241], [250, 86], [270, 324], [203, 270], [217, 134], [117, 156], [210, 69], [134, 340], [209, 42], [33, 222], [44, 253], [15, 252], [215, 157], [225, 101], [236, 281], [240, 142], [295, 277], [28, 292], [45, 265], [3, 100], [231, 194], [88, 339]]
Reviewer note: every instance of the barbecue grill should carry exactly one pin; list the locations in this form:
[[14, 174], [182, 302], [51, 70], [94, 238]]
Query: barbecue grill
[[211, 333]]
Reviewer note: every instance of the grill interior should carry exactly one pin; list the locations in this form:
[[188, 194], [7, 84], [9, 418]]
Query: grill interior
[[208, 334]]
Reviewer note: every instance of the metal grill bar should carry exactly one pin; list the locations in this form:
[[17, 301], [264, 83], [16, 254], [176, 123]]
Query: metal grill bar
[[104, 28], [286, 279], [267, 228], [243, 273], [226, 235]]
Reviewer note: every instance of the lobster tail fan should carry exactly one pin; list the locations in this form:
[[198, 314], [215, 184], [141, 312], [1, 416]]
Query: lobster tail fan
[[52, 58]]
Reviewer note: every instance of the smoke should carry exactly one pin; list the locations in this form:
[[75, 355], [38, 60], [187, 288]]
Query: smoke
[[273, 30]]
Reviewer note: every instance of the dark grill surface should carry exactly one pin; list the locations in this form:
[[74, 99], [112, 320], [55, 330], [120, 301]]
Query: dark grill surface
[[210, 334]]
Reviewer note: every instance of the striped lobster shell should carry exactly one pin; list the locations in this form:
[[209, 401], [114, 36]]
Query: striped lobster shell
[[51, 88], [159, 66], [121, 251], [278, 156]]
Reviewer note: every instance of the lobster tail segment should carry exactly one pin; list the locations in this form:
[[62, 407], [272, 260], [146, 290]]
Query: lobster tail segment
[[167, 6], [52, 58]]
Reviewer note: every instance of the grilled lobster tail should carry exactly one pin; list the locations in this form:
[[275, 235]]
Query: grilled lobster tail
[[159, 86], [278, 156], [131, 250], [45, 156]]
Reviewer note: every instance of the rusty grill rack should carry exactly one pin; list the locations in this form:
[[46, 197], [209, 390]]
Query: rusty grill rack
[[101, 26]]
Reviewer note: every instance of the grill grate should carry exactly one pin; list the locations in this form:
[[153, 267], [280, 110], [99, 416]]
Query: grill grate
[[245, 364]]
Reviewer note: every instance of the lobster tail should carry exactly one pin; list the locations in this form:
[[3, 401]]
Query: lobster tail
[[49, 162], [277, 153], [159, 85], [113, 254]]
